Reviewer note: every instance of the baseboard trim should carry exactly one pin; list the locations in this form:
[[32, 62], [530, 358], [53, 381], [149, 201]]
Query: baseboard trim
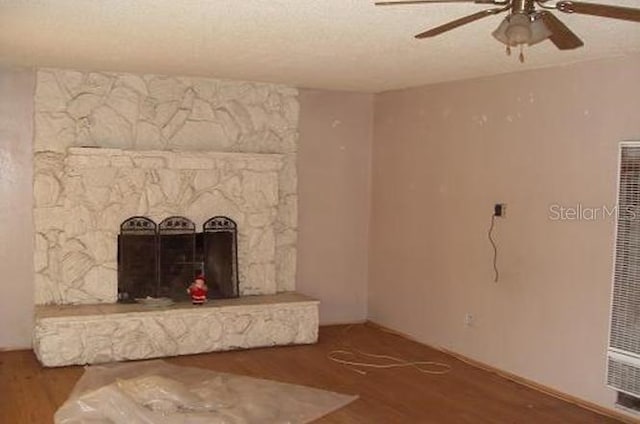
[[518, 379], [338, 323], [14, 348]]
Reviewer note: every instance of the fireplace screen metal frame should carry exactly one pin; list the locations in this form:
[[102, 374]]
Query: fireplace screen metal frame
[[162, 260], [176, 257], [220, 259], [137, 259]]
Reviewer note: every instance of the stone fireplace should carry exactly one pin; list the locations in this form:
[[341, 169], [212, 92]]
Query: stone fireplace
[[112, 147]]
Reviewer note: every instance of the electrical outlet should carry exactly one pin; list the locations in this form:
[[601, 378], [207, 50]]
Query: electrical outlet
[[500, 209], [468, 320]]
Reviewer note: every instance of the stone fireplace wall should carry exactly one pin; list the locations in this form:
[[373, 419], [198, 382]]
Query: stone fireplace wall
[[154, 116]]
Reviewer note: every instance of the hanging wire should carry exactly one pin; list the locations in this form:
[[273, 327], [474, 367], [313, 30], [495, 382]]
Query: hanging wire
[[495, 248]]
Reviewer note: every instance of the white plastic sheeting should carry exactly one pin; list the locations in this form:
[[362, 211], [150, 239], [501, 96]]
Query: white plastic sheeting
[[156, 392]]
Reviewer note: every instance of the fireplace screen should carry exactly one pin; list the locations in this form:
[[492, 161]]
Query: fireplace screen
[[162, 260]]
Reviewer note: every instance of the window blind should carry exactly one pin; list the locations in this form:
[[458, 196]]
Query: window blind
[[623, 370]]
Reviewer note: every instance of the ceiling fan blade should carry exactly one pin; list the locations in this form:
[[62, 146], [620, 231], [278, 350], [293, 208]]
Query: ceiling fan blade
[[459, 22], [606, 11], [561, 35], [392, 3]]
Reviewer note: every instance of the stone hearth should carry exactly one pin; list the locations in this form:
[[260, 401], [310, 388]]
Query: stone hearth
[[89, 334]]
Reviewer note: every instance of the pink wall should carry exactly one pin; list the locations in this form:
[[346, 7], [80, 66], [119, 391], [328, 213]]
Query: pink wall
[[16, 223], [443, 155], [334, 160]]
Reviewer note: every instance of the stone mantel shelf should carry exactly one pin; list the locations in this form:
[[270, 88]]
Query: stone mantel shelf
[[105, 151], [99, 310], [88, 334]]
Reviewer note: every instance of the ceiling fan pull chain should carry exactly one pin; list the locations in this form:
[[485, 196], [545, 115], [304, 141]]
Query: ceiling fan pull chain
[[508, 50], [521, 57]]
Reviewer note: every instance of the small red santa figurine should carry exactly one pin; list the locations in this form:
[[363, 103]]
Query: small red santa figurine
[[198, 290]]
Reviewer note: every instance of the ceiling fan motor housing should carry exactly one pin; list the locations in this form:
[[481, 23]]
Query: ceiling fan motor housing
[[522, 6]]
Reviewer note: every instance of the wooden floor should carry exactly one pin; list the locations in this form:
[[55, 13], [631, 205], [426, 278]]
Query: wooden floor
[[30, 394]]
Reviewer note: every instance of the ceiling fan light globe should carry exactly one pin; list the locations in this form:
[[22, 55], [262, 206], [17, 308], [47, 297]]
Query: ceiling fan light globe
[[500, 33], [539, 31], [519, 30]]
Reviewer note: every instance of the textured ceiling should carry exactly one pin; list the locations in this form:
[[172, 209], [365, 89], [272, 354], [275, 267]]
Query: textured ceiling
[[331, 44]]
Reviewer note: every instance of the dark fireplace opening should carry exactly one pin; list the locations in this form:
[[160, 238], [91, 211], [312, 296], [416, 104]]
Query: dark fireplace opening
[[161, 260]]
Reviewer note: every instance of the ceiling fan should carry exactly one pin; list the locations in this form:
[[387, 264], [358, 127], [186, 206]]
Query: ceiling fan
[[528, 21]]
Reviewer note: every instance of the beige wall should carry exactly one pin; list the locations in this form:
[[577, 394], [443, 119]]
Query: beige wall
[[16, 224], [443, 155], [334, 157]]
